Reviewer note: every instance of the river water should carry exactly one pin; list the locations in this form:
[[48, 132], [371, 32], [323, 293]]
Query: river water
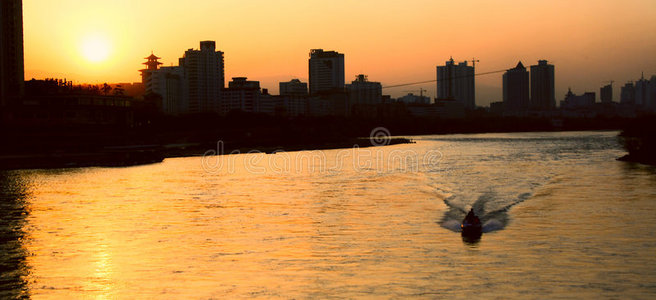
[[562, 218]]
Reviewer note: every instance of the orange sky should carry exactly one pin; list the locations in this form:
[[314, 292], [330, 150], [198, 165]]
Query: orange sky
[[393, 42]]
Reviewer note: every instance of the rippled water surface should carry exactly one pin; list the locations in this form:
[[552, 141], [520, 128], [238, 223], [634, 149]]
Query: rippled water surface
[[562, 218]]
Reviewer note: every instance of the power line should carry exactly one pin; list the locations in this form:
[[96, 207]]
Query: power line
[[435, 80]]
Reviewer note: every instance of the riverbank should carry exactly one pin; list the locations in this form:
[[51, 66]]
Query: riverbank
[[639, 139], [146, 154], [152, 140]]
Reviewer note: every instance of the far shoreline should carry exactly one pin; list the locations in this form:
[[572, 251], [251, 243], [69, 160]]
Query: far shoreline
[[135, 155]]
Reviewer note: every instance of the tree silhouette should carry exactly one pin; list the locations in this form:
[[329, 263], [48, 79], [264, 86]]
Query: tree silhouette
[[106, 89], [119, 90]]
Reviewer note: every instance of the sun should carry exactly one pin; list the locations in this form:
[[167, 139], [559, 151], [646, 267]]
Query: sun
[[96, 48]]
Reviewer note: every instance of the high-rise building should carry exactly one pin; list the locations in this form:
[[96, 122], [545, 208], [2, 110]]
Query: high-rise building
[[363, 91], [542, 86], [641, 89], [606, 93], [515, 89], [293, 87], [456, 82], [651, 93], [241, 94], [12, 76], [326, 70], [627, 94], [204, 78]]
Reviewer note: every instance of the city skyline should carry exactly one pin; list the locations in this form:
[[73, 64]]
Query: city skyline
[[589, 42]]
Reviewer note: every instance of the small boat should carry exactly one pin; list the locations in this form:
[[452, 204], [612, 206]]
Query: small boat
[[471, 225]]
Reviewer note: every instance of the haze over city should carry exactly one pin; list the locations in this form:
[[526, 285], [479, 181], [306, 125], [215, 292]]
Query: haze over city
[[589, 42]]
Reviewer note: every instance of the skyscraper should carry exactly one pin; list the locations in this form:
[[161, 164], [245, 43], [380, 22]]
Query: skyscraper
[[12, 77], [456, 82], [542, 86], [641, 87], [606, 93], [651, 93], [515, 89], [627, 94], [204, 78], [326, 71]]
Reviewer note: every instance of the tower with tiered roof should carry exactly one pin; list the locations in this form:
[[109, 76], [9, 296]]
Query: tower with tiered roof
[[152, 64]]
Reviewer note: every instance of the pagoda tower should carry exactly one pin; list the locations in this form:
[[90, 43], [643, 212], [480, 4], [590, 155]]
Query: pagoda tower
[[151, 65]]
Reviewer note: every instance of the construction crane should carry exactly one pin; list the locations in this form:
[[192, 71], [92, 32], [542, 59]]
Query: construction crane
[[421, 91]]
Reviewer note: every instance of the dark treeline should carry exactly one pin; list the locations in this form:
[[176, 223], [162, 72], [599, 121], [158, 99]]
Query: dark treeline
[[240, 130], [152, 136]]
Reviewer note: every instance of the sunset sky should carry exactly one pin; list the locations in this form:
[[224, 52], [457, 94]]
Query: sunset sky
[[589, 42]]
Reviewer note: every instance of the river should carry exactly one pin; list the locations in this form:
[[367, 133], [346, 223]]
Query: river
[[562, 218]]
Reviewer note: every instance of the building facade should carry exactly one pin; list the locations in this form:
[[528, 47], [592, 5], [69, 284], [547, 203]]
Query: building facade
[[516, 89], [573, 101], [627, 94], [542, 86], [12, 76], [363, 91], [641, 89], [326, 70], [241, 94], [606, 93], [457, 82], [293, 87], [651, 93], [204, 78], [414, 99], [166, 82]]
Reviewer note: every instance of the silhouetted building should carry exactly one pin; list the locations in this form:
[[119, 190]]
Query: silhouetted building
[[12, 77], [414, 99], [651, 93], [291, 105], [331, 104], [293, 87], [641, 89], [293, 99], [573, 101], [54, 102], [515, 89], [443, 109], [542, 86], [627, 94], [326, 70], [456, 82], [606, 93], [204, 78], [496, 108], [269, 104], [363, 91], [167, 82], [152, 64], [241, 94]]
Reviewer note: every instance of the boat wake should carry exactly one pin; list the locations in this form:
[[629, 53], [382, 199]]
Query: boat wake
[[491, 210]]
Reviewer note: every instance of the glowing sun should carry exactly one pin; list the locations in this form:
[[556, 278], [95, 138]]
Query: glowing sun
[[95, 48]]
